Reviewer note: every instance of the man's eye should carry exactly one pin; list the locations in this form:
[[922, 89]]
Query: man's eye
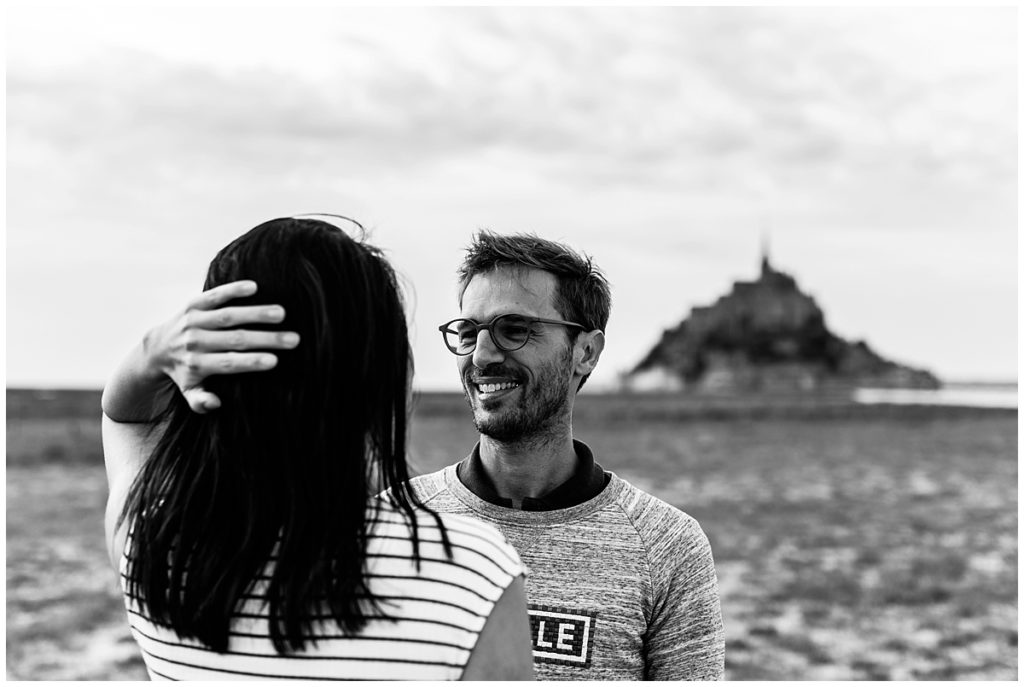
[[466, 333], [515, 329]]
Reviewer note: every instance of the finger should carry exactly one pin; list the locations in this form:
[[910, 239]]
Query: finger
[[218, 295], [224, 318], [201, 401], [202, 365], [214, 341]]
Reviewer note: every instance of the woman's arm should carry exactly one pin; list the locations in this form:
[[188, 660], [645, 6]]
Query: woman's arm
[[503, 651], [125, 448], [202, 340]]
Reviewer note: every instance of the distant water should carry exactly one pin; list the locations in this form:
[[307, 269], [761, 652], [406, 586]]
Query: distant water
[[982, 396]]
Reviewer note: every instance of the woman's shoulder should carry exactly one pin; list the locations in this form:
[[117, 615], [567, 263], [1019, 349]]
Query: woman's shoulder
[[469, 537]]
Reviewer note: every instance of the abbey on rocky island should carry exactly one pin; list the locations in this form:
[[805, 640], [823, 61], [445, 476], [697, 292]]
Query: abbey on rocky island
[[765, 336]]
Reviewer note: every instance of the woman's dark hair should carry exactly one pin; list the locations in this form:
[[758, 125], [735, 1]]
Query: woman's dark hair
[[283, 470]]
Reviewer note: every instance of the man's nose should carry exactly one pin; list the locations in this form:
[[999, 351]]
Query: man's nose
[[486, 352]]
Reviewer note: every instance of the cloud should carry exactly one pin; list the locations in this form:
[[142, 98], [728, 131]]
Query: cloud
[[690, 95]]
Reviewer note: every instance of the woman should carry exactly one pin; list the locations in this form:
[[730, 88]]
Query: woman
[[240, 514]]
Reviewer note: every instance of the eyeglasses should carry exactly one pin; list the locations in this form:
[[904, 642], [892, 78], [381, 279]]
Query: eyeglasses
[[508, 332]]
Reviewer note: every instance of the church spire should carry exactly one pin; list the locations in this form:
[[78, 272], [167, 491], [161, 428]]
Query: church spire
[[766, 267]]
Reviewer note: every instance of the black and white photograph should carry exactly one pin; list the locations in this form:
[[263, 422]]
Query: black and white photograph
[[419, 342]]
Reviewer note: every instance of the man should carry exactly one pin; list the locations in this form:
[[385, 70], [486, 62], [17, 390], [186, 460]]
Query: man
[[622, 584]]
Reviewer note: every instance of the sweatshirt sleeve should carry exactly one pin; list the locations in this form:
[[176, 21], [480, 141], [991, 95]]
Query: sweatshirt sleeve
[[685, 639]]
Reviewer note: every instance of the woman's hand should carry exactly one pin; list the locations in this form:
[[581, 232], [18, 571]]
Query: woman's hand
[[206, 338]]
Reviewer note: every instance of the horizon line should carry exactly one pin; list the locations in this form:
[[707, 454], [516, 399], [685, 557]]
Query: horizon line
[[597, 388]]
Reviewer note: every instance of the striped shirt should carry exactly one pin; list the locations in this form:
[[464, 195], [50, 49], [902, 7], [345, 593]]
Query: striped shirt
[[435, 615]]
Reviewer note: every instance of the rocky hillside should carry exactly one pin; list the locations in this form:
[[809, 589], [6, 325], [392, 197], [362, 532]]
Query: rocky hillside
[[766, 335]]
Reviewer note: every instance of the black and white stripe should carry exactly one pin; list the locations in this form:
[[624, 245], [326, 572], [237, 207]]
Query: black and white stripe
[[432, 617]]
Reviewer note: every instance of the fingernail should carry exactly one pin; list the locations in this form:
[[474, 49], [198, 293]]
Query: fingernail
[[290, 339], [268, 361], [276, 312]]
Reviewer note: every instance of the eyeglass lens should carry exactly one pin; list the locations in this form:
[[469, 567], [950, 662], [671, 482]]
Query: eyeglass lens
[[509, 333]]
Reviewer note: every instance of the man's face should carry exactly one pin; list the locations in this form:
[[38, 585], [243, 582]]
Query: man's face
[[518, 394]]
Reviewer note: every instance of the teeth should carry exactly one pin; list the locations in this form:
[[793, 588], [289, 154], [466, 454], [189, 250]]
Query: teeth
[[491, 388]]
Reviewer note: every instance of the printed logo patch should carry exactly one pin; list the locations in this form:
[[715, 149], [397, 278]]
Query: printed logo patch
[[562, 635]]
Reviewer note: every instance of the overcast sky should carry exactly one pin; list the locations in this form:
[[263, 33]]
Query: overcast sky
[[876, 147]]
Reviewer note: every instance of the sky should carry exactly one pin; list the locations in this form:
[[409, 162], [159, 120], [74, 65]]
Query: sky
[[875, 149]]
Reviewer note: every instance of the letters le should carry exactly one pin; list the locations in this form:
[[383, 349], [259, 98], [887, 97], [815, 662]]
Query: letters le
[[562, 635]]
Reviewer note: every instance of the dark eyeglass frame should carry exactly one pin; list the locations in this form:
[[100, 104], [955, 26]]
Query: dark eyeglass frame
[[489, 326]]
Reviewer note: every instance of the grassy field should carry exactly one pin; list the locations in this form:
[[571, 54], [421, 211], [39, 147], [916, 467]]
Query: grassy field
[[851, 542]]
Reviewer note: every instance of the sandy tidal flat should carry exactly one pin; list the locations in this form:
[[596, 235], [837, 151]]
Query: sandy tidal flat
[[871, 547]]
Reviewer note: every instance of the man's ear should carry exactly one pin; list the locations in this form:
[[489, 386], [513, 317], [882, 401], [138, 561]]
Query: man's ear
[[590, 344]]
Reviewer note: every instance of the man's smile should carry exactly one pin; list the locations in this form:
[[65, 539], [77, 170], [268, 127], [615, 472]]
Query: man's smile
[[494, 386]]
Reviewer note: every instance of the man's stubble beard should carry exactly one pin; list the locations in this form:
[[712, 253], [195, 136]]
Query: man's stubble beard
[[539, 410]]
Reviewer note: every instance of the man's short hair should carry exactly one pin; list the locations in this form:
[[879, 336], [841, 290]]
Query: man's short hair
[[582, 294]]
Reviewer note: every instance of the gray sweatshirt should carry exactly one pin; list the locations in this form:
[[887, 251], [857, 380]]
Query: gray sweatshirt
[[621, 587]]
